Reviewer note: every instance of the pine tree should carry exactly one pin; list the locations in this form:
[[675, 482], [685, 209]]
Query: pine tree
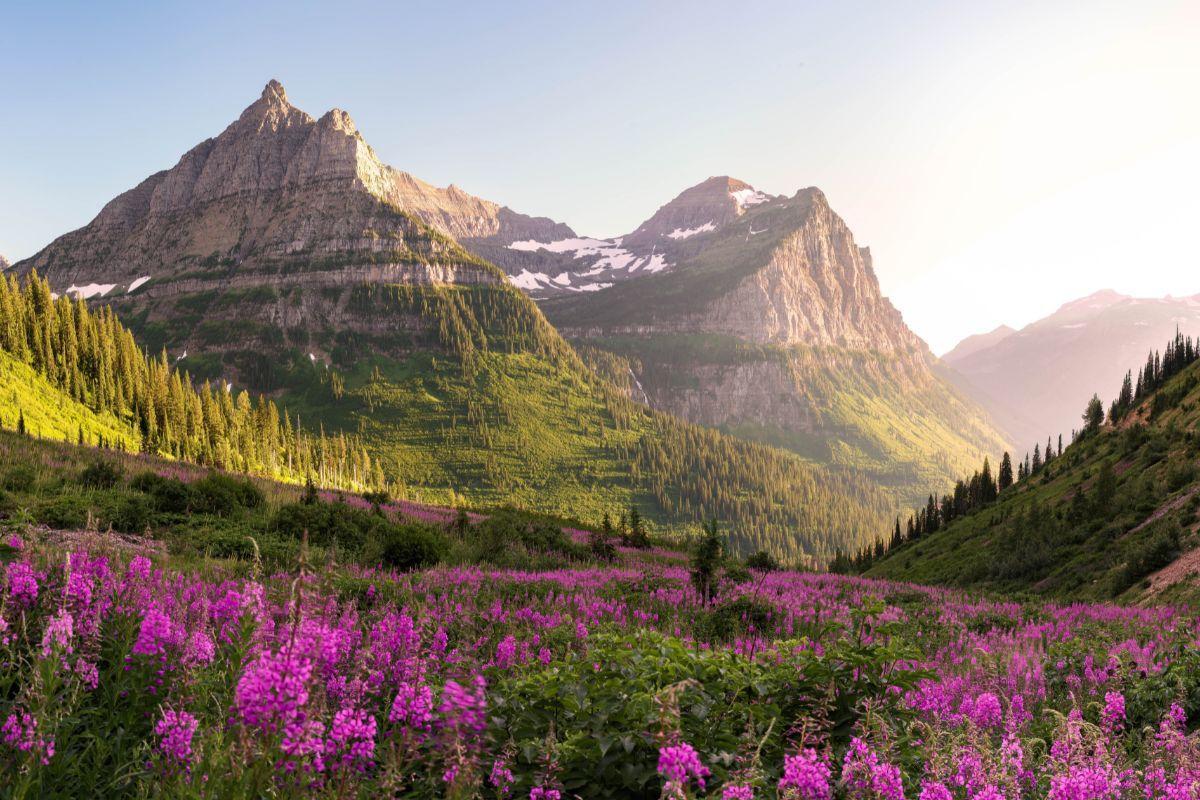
[[1093, 416], [1005, 479]]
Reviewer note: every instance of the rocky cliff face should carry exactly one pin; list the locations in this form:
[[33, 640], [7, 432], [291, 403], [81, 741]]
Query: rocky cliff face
[[770, 322], [256, 242], [279, 191], [785, 271]]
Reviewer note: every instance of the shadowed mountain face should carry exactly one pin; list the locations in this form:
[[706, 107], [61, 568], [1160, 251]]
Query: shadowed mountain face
[[1042, 375]]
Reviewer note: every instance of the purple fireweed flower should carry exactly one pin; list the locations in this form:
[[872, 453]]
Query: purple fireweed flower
[[273, 689], [352, 739], [934, 790], [464, 709], [1112, 716], [866, 776], [680, 764], [544, 793], [60, 630], [413, 707], [737, 791], [20, 732], [501, 777], [175, 730], [87, 672], [22, 584], [156, 634], [805, 777], [199, 650]]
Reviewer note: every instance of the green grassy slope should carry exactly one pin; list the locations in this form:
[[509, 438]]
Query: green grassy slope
[[51, 414], [1100, 521], [466, 395]]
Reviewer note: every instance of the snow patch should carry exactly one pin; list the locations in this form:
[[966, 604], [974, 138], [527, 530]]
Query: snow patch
[[615, 259], [529, 281], [580, 246], [137, 283], [91, 290], [563, 279], [680, 233], [657, 263], [594, 287], [748, 197], [1072, 326]]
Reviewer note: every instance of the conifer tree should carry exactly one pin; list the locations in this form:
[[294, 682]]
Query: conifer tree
[[1005, 478]]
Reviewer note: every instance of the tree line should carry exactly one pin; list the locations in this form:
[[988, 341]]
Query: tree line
[[91, 358]]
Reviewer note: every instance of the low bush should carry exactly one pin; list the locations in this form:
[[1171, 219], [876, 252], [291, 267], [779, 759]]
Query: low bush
[[101, 474]]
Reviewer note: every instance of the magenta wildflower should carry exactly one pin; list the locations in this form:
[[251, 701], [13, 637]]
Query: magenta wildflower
[[156, 634], [501, 777], [273, 690], [413, 707], [680, 764], [934, 790], [352, 739], [1112, 716], [20, 732], [60, 630], [175, 730], [865, 775], [22, 584], [805, 777]]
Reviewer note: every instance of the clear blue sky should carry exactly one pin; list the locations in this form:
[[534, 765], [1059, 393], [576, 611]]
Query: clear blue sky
[[999, 158]]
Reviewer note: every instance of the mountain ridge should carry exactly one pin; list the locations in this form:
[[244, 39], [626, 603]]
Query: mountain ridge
[[281, 255]]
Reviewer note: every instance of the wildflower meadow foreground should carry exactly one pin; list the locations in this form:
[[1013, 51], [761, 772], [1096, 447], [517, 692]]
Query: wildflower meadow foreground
[[123, 676]]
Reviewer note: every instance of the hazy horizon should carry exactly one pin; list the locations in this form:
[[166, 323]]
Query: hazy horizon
[[998, 161]]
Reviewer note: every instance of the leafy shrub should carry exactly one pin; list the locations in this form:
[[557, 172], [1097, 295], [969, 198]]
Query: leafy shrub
[[222, 495], [101, 474], [64, 512], [326, 524], [607, 708], [734, 619], [21, 478], [508, 533], [128, 514], [172, 496], [407, 547], [1151, 554], [763, 561], [167, 495]]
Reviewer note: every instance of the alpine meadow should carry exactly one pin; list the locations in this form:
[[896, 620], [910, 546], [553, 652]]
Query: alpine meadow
[[319, 479]]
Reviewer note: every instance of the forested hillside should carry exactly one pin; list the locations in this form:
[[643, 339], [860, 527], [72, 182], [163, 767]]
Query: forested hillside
[[1114, 514], [78, 374]]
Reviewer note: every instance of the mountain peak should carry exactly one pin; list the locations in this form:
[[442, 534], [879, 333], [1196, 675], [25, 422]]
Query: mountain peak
[[1096, 301], [977, 343], [274, 92]]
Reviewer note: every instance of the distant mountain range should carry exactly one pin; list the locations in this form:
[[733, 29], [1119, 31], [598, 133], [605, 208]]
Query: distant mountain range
[[1037, 380], [282, 255]]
